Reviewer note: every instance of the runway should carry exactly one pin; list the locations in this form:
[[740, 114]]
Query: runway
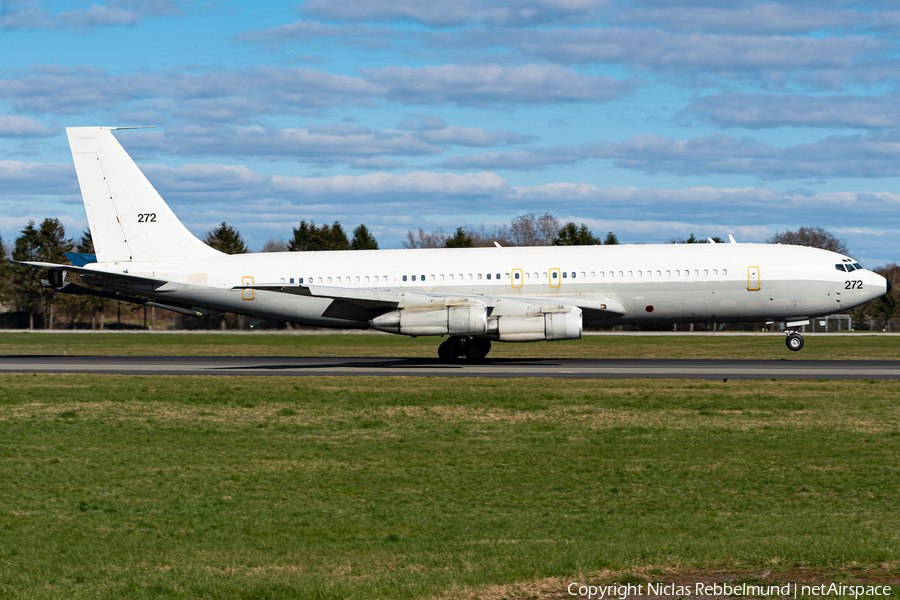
[[579, 368]]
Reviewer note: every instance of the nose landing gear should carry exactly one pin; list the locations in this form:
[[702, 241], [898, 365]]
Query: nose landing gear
[[794, 341], [473, 349]]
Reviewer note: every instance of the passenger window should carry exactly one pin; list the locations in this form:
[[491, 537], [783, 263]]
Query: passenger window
[[338, 279], [292, 280], [460, 276], [724, 271], [442, 277], [479, 277], [640, 273], [554, 275], [527, 275], [696, 272], [659, 273], [573, 274], [582, 275], [592, 274], [367, 279], [432, 277], [421, 278], [669, 273], [621, 274], [300, 280], [376, 278], [489, 275], [470, 277], [565, 275], [677, 272], [706, 272], [404, 278], [715, 271], [517, 275], [498, 275], [631, 273]]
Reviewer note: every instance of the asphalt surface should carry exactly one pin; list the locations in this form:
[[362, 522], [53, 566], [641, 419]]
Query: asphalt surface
[[578, 368]]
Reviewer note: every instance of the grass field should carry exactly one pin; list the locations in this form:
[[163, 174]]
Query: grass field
[[360, 488], [260, 344]]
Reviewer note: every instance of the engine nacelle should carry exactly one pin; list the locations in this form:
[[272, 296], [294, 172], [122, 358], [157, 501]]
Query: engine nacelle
[[551, 326], [452, 320]]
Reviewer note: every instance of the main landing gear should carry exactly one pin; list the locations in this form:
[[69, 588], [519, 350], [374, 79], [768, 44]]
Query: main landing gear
[[474, 349], [794, 341]]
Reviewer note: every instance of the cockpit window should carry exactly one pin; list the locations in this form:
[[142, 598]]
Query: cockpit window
[[839, 267], [850, 268], [857, 265]]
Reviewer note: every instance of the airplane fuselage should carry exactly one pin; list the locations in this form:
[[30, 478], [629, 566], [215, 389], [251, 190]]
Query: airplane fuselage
[[653, 283]]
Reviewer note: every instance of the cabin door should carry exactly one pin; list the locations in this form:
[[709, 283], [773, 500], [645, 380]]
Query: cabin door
[[752, 278]]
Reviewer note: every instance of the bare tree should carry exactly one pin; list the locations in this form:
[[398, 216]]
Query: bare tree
[[425, 239], [274, 245], [532, 230], [815, 237]]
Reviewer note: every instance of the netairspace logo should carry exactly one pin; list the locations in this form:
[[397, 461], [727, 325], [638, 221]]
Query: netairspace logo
[[789, 590]]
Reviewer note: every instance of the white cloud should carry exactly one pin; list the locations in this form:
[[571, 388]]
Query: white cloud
[[754, 110], [242, 95], [19, 126], [702, 52], [454, 13]]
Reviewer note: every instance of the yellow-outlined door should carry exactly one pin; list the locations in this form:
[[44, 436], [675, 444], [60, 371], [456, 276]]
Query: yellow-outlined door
[[555, 279], [752, 278], [247, 294], [517, 279]]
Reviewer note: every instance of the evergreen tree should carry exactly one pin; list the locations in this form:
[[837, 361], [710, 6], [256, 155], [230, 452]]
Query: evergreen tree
[[4, 272], [363, 240], [572, 235], [611, 239], [460, 239], [336, 238], [226, 238], [886, 308], [47, 243], [302, 234], [85, 244], [308, 237]]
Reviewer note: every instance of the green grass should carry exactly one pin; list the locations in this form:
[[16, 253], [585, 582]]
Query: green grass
[[344, 488], [260, 344]]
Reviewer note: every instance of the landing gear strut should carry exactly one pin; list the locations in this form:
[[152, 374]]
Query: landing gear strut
[[473, 349], [794, 341]]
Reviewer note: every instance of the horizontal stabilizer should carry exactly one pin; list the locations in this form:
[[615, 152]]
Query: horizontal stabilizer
[[80, 259]]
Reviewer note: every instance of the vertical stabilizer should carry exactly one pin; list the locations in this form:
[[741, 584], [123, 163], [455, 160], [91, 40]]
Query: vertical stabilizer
[[129, 220]]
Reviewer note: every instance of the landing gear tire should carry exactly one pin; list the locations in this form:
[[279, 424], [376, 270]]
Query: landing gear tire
[[448, 351], [476, 350], [794, 342]]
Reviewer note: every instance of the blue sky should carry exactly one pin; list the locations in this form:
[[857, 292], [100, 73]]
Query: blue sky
[[652, 119]]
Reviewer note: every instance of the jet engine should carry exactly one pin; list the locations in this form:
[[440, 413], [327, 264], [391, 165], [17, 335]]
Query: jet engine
[[453, 320], [550, 326]]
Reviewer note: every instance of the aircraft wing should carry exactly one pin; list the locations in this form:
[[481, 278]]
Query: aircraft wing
[[122, 278], [379, 301]]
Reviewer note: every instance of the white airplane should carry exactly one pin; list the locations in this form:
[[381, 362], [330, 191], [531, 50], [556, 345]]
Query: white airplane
[[472, 295]]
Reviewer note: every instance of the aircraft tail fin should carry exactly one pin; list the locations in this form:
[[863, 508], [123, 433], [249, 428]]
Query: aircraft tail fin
[[129, 220]]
